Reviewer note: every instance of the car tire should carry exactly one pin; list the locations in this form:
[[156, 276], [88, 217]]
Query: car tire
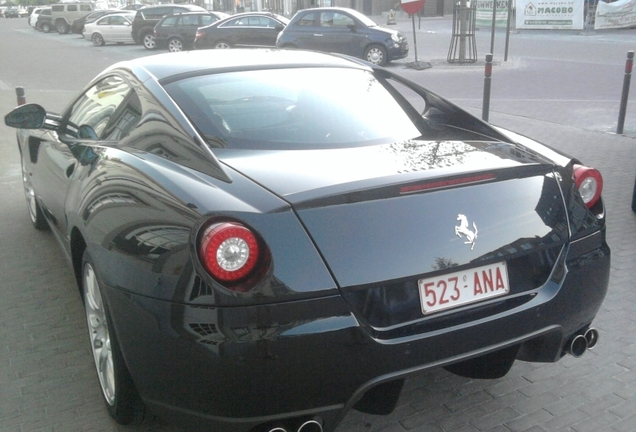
[[97, 39], [148, 40], [119, 392], [376, 54], [62, 27], [46, 27], [35, 211], [222, 45], [175, 45]]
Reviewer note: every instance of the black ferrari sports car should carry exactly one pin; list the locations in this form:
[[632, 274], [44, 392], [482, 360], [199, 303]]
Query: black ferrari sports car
[[266, 239]]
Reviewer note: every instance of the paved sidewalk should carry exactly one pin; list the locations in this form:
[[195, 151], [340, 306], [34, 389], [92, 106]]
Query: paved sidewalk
[[47, 379]]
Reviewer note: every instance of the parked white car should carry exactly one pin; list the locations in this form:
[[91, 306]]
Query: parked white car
[[34, 16], [112, 28]]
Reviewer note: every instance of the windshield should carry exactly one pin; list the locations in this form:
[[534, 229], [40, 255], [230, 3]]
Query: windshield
[[293, 108]]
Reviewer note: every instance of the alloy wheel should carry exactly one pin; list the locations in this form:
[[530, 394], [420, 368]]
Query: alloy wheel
[[149, 41], [99, 334], [175, 45]]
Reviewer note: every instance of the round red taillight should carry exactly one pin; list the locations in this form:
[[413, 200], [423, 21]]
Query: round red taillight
[[589, 183], [229, 251]]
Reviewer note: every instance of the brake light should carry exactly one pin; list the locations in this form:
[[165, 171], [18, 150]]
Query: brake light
[[589, 183], [231, 253]]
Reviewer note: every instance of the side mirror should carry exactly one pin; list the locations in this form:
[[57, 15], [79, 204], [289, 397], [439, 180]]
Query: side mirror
[[30, 116], [279, 27]]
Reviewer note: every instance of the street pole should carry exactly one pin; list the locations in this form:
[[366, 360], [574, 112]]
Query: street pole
[[463, 15], [492, 32], [626, 81], [485, 109]]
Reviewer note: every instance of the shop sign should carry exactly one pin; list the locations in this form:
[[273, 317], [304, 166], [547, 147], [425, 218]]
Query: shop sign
[[550, 14], [619, 14]]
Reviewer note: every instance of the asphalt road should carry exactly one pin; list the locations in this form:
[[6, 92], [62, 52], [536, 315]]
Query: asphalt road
[[562, 88]]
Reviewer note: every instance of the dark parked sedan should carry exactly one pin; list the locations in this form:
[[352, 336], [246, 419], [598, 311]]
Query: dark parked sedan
[[267, 239], [344, 31], [177, 32], [250, 29]]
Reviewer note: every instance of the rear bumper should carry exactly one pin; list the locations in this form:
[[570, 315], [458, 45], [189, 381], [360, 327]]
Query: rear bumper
[[235, 368]]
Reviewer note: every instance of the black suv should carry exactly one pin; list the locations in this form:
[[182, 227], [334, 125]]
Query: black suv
[[177, 32], [143, 25]]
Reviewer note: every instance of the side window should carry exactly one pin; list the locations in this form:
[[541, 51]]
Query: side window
[[125, 118], [190, 20], [158, 13], [103, 109], [257, 22], [86, 8], [71, 8], [169, 22], [272, 23], [235, 22], [207, 19], [306, 20], [57, 8], [116, 20], [326, 19], [342, 20]]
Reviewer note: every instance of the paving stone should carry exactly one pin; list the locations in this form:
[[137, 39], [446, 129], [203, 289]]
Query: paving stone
[[48, 382]]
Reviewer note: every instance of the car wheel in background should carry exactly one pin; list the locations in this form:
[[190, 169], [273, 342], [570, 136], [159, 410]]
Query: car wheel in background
[[97, 39], [148, 40], [175, 45], [222, 45], [119, 392], [46, 27], [35, 211], [62, 27], [375, 54]]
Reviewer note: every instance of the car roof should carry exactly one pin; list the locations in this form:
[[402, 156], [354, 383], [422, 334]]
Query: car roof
[[174, 66], [188, 6], [256, 13], [349, 11], [198, 12]]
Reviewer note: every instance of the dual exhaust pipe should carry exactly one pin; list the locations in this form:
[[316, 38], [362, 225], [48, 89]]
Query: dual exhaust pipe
[[581, 342], [298, 425]]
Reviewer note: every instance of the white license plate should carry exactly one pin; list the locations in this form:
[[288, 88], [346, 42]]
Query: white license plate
[[464, 287]]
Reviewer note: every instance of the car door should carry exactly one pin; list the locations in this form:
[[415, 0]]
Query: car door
[[58, 156], [305, 30], [120, 28], [187, 28], [337, 33], [264, 31]]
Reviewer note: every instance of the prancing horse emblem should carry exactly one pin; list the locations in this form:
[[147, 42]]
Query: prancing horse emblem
[[464, 230]]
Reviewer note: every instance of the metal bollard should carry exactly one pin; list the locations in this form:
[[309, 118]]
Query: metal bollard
[[626, 81], [19, 92], [487, 78]]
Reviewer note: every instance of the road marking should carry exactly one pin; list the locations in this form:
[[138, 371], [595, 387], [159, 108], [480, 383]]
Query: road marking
[[3, 86]]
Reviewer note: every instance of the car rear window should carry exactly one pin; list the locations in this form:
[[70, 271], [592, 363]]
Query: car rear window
[[287, 108]]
